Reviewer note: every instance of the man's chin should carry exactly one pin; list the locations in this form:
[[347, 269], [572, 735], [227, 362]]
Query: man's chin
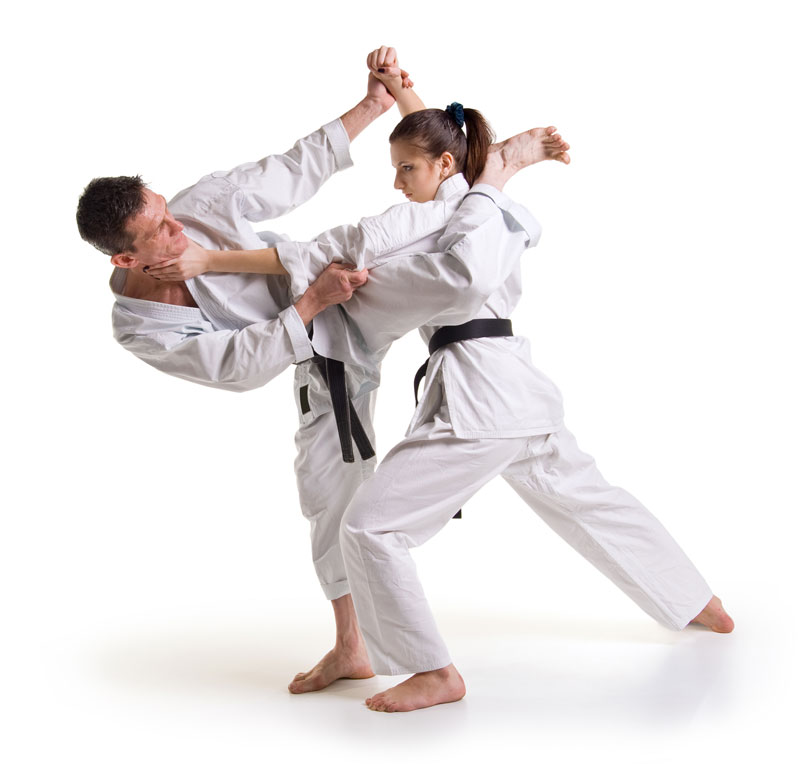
[[181, 246]]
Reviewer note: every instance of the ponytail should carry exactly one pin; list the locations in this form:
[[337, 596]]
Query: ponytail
[[479, 138]]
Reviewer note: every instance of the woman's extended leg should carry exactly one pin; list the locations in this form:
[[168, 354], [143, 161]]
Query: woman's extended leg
[[614, 532]]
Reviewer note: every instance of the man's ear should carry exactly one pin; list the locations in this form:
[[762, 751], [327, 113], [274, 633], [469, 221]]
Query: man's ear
[[122, 260]]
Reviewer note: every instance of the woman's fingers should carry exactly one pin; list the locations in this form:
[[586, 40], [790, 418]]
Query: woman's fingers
[[388, 71], [157, 270]]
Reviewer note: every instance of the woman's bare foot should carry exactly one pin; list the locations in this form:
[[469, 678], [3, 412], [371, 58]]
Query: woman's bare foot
[[715, 618], [339, 663], [429, 688]]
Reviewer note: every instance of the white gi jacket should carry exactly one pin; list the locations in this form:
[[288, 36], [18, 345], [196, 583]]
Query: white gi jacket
[[244, 331], [491, 387]]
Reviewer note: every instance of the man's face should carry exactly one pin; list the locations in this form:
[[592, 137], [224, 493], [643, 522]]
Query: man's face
[[157, 236]]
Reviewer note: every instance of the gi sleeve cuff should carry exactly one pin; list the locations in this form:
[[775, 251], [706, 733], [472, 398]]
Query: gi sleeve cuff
[[298, 335], [340, 143], [292, 259]]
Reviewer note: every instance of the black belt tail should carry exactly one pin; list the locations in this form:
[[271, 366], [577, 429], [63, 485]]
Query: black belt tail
[[348, 424]]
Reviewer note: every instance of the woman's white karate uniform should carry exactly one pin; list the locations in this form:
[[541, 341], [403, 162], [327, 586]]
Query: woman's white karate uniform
[[485, 411], [412, 282]]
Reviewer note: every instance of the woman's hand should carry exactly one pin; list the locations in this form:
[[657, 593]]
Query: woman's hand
[[194, 261]]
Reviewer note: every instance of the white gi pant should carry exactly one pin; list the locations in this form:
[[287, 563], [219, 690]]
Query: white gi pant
[[326, 484], [424, 480]]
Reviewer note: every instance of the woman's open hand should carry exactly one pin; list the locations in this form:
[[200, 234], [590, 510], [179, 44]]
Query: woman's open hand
[[194, 261]]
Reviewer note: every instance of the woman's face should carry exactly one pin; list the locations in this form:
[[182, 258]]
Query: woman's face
[[417, 176]]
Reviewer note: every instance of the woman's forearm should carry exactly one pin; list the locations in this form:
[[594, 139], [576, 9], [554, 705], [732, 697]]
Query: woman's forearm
[[407, 100], [246, 261]]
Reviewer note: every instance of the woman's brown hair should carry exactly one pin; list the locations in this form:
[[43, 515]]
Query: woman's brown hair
[[435, 131]]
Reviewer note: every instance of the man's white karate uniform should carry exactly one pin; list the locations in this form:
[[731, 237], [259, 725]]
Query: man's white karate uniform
[[486, 411], [245, 331]]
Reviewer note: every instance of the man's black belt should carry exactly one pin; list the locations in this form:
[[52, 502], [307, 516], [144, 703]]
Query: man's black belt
[[472, 330], [347, 422]]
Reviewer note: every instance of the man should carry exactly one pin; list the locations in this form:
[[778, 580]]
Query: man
[[238, 331]]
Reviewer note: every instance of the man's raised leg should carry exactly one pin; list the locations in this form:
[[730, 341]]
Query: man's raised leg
[[506, 158]]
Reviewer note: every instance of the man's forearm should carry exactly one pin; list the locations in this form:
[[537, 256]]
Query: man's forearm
[[361, 115]]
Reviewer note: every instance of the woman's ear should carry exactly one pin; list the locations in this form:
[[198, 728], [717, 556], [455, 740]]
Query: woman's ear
[[448, 165]]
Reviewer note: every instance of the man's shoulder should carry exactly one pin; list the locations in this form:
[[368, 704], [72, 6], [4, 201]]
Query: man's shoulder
[[211, 196]]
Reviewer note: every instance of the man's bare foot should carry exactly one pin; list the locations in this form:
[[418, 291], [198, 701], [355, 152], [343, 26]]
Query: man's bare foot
[[715, 618], [508, 157], [339, 663], [428, 688]]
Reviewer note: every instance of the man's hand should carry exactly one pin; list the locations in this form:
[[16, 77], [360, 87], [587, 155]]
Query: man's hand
[[379, 94], [335, 285], [380, 98], [383, 64]]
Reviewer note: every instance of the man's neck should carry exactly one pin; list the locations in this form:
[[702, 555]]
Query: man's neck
[[142, 287]]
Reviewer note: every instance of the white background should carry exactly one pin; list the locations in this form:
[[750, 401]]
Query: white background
[[156, 583]]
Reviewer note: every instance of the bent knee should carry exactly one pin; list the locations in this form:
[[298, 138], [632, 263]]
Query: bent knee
[[354, 522]]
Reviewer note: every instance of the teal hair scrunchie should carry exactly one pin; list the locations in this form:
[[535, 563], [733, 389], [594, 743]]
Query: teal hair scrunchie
[[456, 111]]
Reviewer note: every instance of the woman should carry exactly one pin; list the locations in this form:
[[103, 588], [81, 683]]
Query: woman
[[485, 411]]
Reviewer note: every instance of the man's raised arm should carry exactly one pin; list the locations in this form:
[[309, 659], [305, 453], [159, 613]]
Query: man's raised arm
[[277, 184]]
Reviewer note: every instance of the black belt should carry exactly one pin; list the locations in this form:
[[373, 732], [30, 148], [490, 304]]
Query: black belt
[[472, 330], [347, 422]]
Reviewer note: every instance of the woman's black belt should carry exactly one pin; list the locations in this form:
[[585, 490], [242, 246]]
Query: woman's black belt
[[472, 330]]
